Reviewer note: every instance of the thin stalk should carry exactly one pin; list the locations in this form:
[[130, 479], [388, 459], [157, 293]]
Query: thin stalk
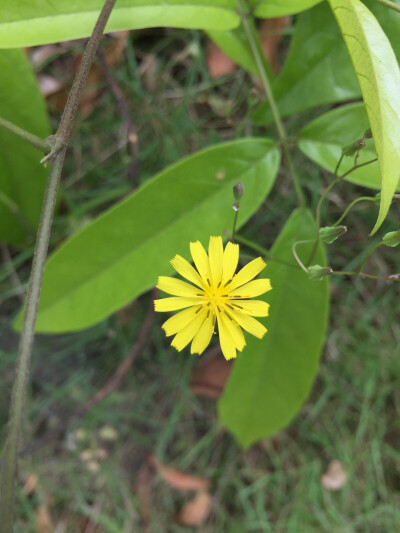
[[299, 261], [8, 473], [351, 205], [234, 224], [395, 277], [389, 4], [32, 139], [255, 46]]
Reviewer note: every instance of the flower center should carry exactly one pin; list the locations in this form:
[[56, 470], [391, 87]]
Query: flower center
[[216, 296]]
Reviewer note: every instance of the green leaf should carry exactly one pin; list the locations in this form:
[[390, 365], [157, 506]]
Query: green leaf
[[379, 77], [22, 177], [279, 8], [120, 255], [318, 69], [322, 141], [272, 377], [37, 22]]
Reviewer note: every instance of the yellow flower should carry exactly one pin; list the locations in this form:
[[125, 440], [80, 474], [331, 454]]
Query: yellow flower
[[218, 295]]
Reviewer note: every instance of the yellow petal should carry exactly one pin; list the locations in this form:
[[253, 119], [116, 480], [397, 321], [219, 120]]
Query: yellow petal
[[229, 262], [251, 289], [247, 273], [177, 287], [215, 255], [225, 339], [174, 303], [248, 323], [180, 320], [251, 307], [200, 259], [203, 336], [185, 269], [183, 338], [234, 330]]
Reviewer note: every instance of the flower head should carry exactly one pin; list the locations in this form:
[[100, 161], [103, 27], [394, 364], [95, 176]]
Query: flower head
[[215, 294]]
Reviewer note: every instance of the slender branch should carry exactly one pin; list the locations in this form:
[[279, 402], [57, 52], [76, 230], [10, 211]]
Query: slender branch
[[8, 473], [32, 139], [25, 347], [258, 57], [71, 107], [389, 4], [299, 261], [356, 166], [352, 204]]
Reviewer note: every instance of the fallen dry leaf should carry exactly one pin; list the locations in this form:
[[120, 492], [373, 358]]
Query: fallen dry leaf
[[142, 488], [335, 476], [209, 378], [30, 485], [218, 63], [177, 479], [195, 512], [44, 523], [271, 35]]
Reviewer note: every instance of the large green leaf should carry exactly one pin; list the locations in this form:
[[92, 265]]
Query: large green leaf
[[120, 254], [279, 8], [318, 69], [22, 178], [37, 22], [272, 377], [378, 74], [322, 141]]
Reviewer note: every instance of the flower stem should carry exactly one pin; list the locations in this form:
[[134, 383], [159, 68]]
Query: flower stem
[[8, 473], [359, 269], [395, 277], [255, 46], [234, 224], [32, 139], [253, 245], [353, 203]]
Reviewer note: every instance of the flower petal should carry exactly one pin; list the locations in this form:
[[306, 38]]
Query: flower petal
[[200, 259], [248, 323], [177, 287], [183, 338], [225, 339], [177, 322], [185, 269], [251, 307], [203, 336], [215, 255], [234, 330], [247, 273], [251, 289], [174, 303], [229, 262]]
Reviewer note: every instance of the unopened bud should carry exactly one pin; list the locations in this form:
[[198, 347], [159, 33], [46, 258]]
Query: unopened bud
[[329, 234], [392, 238], [354, 147], [238, 190], [368, 133], [317, 272]]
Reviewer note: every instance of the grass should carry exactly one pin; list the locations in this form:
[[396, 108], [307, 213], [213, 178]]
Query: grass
[[351, 415]]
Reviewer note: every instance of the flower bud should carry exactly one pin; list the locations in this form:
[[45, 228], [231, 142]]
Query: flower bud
[[238, 190], [317, 272], [354, 147], [392, 238], [329, 234]]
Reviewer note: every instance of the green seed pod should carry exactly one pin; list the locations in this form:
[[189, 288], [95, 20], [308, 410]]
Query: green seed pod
[[354, 147], [317, 272], [392, 238], [329, 234]]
